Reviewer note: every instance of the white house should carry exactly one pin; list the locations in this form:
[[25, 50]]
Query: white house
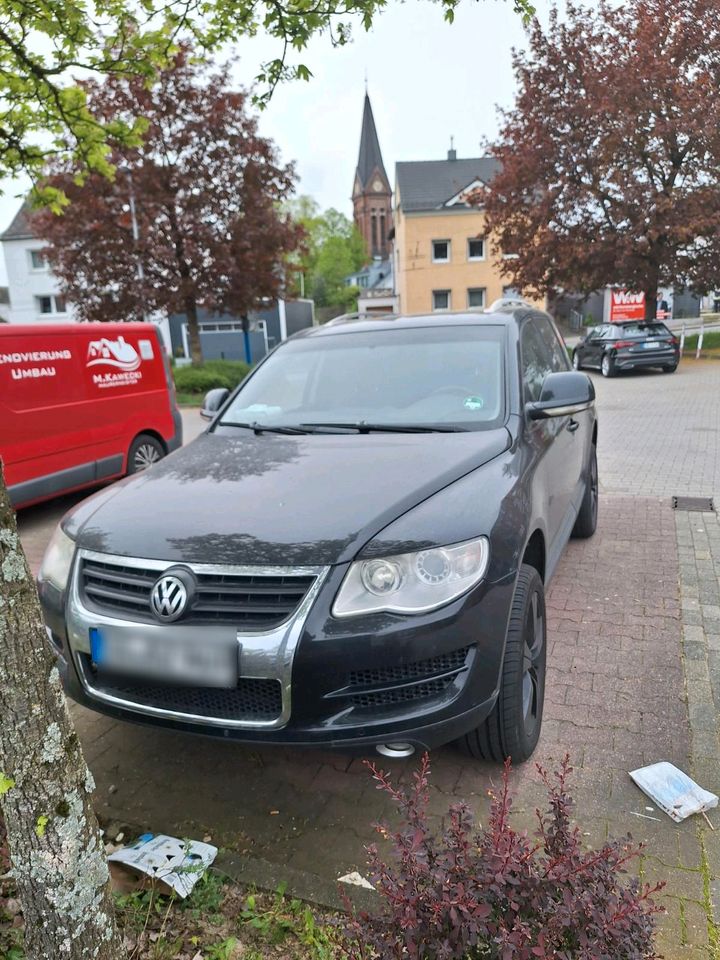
[[34, 292]]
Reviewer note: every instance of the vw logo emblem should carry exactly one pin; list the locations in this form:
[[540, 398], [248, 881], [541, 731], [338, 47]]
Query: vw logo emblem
[[169, 597]]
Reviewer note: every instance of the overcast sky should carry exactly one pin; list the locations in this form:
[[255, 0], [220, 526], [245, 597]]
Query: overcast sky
[[427, 80]]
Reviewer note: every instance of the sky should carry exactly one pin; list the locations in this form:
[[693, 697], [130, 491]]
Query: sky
[[427, 81]]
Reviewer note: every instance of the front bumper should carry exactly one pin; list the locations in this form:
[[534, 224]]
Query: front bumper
[[354, 683]]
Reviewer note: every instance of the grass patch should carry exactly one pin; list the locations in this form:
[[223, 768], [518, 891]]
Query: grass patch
[[222, 921], [189, 399], [711, 341]]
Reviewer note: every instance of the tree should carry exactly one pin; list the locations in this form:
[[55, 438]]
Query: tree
[[611, 155], [332, 250], [58, 858], [44, 45], [193, 215]]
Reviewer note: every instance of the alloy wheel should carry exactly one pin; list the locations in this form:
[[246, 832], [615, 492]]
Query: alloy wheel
[[605, 366], [145, 456], [594, 485], [532, 665]]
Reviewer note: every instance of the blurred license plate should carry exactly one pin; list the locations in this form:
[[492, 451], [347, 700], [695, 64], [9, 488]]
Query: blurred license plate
[[167, 657], [651, 345]]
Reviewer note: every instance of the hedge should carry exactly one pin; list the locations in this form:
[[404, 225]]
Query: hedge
[[199, 378]]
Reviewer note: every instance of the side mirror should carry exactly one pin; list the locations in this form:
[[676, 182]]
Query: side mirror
[[214, 399], [562, 394]]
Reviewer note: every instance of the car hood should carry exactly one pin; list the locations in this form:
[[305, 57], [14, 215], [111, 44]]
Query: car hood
[[273, 499]]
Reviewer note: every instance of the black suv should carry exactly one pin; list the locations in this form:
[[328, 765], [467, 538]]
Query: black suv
[[354, 553], [613, 347]]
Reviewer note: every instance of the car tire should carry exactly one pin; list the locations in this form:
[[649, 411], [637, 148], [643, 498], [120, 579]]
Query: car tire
[[607, 366], [670, 368], [513, 728], [576, 360], [145, 450], [586, 520]]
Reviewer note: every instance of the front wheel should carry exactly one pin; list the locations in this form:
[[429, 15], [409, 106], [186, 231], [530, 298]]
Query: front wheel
[[144, 452], [513, 728], [586, 520], [607, 366]]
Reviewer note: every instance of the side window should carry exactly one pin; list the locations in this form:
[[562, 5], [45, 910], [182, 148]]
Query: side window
[[537, 360], [557, 350]]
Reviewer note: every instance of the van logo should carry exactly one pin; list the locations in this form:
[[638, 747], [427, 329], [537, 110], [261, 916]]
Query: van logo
[[169, 598], [113, 353]]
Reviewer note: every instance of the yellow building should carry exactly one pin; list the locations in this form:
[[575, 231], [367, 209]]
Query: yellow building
[[443, 259]]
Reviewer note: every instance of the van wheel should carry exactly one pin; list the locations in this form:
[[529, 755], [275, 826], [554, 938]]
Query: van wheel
[[586, 520], [144, 452], [513, 728]]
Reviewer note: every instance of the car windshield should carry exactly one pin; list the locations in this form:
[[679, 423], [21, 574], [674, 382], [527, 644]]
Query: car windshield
[[639, 330], [446, 377]]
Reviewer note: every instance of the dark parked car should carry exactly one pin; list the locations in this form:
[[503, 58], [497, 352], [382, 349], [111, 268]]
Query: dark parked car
[[612, 347], [356, 551]]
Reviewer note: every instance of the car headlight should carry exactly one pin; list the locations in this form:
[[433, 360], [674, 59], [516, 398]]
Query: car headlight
[[412, 582], [55, 567]]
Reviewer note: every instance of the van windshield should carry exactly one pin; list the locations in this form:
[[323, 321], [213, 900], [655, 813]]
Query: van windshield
[[448, 377]]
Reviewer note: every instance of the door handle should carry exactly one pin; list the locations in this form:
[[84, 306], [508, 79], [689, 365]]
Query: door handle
[[573, 425]]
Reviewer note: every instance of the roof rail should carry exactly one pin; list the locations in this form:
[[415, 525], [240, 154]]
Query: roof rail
[[357, 317]]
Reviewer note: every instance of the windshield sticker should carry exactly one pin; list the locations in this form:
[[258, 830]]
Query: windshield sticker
[[474, 403]]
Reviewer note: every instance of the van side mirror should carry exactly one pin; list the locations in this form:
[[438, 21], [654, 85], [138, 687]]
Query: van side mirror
[[562, 394], [214, 399]]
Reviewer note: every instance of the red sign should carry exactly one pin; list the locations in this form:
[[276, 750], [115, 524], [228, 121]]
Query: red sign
[[626, 306]]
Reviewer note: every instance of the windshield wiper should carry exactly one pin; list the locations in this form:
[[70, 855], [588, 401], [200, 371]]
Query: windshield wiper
[[362, 427], [259, 428]]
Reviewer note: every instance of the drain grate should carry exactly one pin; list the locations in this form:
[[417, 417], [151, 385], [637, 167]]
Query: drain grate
[[697, 504]]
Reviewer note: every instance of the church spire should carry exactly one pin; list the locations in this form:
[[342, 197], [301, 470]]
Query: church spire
[[372, 193], [369, 158]]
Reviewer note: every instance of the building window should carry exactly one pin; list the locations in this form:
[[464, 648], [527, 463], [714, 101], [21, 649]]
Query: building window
[[476, 297], [382, 229], [49, 305], [441, 299], [373, 224], [476, 248], [441, 251], [37, 260]]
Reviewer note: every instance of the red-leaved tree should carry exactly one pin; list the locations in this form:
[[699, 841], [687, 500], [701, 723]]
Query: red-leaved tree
[[192, 218], [611, 154]]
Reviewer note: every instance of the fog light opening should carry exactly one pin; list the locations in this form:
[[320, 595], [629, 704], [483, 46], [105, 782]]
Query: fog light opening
[[395, 750]]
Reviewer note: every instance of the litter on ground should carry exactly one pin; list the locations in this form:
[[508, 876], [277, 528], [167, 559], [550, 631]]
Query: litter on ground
[[674, 791]]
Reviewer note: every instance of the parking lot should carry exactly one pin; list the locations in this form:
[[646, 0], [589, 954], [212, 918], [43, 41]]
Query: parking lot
[[633, 675]]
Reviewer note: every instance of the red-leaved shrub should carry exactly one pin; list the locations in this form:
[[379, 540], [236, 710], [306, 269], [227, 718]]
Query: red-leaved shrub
[[499, 893]]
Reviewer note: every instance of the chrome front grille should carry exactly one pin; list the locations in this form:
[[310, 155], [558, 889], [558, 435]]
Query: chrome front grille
[[259, 601]]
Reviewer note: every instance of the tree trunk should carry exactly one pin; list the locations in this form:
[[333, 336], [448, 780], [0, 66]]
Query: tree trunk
[[56, 850], [651, 292], [193, 329]]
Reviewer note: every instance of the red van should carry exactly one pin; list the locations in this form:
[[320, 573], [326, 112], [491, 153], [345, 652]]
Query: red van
[[81, 404]]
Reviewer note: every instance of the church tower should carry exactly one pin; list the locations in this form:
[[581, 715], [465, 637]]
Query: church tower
[[372, 194]]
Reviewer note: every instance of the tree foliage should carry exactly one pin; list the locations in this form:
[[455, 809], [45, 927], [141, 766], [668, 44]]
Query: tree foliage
[[611, 154], [332, 250], [207, 193], [46, 45]]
